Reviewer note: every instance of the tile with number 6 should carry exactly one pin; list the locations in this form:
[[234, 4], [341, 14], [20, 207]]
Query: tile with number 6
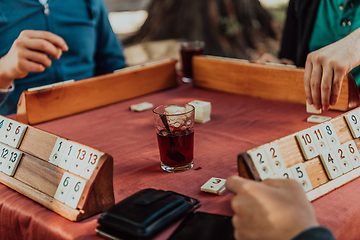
[[17, 134], [75, 192], [64, 187], [353, 153]]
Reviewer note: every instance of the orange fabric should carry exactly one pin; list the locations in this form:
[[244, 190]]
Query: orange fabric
[[237, 124]]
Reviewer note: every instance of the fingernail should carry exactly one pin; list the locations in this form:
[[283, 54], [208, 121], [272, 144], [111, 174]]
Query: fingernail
[[65, 47]]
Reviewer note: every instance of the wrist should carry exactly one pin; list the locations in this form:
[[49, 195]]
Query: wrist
[[5, 80]]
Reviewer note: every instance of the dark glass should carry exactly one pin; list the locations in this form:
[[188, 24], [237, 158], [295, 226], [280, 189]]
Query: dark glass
[[187, 52]]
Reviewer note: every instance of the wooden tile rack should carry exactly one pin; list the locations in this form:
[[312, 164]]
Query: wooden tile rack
[[38, 179], [292, 155], [267, 81], [60, 100]]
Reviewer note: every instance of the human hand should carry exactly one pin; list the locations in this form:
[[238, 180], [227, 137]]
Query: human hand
[[269, 58], [325, 70], [271, 209], [30, 52]]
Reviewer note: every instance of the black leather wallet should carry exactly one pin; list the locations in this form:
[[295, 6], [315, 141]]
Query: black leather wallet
[[144, 213]]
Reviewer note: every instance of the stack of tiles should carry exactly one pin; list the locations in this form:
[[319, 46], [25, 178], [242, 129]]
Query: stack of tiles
[[202, 111]]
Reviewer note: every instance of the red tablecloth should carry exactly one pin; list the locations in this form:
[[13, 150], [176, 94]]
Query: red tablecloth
[[237, 124]]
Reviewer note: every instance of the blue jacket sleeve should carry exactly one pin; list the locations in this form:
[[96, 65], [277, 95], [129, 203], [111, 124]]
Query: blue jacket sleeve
[[316, 233], [109, 55]]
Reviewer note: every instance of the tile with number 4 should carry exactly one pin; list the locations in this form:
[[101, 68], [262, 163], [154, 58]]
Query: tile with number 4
[[307, 144], [261, 163], [12, 162], [64, 187], [57, 151], [301, 176], [331, 164], [343, 158], [353, 153], [275, 158], [75, 192], [330, 135], [352, 119]]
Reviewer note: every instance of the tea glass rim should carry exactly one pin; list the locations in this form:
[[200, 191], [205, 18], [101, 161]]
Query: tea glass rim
[[173, 104]]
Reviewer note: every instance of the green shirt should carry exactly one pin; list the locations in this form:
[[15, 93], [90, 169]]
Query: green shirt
[[335, 20]]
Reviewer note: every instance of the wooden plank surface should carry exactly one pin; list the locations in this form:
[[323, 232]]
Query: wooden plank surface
[[71, 98], [265, 81], [292, 155]]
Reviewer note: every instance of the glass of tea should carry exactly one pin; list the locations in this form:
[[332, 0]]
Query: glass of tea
[[174, 124], [187, 51]]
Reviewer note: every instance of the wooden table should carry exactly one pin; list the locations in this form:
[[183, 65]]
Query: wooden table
[[238, 123]]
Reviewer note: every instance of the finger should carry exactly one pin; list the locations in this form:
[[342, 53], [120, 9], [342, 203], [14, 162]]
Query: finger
[[315, 85], [37, 57], [307, 77], [336, 87], [235, 184], [42, 46], [51, 37], [29, 66], [326, 86]]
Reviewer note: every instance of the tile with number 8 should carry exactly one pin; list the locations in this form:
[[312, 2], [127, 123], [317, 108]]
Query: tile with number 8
[[330, 135], [274, 156], [75, 192], [331, 164], [57, 151], [301, 176], [64, 187], [307, 144], [261, 163]]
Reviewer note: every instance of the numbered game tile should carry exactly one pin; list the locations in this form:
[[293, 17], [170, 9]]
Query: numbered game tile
[[3, 154], [273, 154], [75, 192], [261, 163], [352, 119], [343, 158], [57, 151], [330, 135], [331, 164], [64, 186], [301, 176], [68, 155], [353, 153], [307, 144], [286, 174], [319, 138], [17, 133], [12, 162], [79, 160], [90, 163], [6, 127], [214, 185]]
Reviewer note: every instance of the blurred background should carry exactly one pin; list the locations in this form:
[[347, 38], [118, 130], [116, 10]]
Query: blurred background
[[152, 29]]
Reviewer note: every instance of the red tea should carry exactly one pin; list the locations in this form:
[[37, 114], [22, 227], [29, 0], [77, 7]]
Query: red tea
[[176, 150], [186, 55]]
